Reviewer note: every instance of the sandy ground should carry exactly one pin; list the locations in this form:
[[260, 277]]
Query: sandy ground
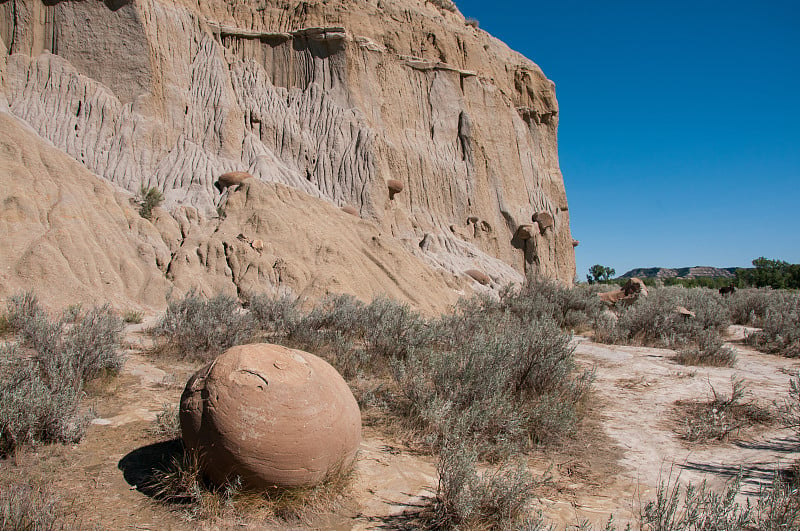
[[630, 444]]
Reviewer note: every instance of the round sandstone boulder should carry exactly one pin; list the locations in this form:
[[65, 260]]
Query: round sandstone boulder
[[271, 415]]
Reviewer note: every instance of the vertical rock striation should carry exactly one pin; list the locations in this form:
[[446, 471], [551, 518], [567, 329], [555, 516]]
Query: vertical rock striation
[[332, 98]]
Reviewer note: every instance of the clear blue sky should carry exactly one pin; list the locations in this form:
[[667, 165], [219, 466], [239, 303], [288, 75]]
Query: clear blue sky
[[679, 128]]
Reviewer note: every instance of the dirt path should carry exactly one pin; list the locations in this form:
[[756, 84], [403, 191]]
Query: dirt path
[[638, 387]]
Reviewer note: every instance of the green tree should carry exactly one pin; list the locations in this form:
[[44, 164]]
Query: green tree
[[776, 274], [599, 273]]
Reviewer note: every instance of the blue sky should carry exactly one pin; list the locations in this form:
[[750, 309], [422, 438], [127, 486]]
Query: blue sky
[[679, 127]]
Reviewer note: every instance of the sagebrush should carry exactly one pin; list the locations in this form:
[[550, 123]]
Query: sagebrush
[[198, 328], [780, 326], [656, 320], [468, 499], [30, 506], [42, 377], [723, 415]]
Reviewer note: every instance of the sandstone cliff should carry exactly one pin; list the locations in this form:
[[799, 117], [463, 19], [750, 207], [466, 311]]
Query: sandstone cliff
[[330, 98]]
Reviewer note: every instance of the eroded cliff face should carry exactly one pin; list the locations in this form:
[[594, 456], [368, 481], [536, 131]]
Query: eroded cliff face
[[332, 98]]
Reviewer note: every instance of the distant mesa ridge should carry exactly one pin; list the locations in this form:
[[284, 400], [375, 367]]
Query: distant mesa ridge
[[681, 272]]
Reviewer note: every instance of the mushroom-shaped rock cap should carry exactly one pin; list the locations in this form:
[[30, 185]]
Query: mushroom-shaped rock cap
[[395, 186], [271, 415], [635, 285], [525, 232], [231, 178], [544, 219]]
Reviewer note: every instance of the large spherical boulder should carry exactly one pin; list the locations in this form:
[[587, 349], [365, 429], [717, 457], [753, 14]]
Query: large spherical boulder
[[271, 415]]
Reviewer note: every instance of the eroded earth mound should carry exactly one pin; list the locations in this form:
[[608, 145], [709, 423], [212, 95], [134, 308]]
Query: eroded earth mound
[[338, 101]]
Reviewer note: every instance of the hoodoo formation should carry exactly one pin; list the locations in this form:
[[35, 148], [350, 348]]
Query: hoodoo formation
[[324, 103]]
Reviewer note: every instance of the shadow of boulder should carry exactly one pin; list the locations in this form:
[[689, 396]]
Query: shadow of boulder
[[140, 466]]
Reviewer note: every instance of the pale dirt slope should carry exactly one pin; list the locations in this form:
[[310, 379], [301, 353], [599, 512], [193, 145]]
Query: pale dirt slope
[[72, 238], [66, 234]]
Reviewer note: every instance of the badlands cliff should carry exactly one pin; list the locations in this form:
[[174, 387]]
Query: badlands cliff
[[324, 102]]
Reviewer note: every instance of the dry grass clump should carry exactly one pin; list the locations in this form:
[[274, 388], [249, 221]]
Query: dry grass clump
[[42, 378], [201, 329], [780, 326], [28, 506], [166, 425], [718, 418], [181, 484], [132, 316]]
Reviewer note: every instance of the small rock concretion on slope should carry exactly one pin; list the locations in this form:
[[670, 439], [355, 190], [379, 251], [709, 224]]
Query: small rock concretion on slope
[[545, 221], [525, 232], [395, 187], [271, 415], [479, 276], [232, 178]]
